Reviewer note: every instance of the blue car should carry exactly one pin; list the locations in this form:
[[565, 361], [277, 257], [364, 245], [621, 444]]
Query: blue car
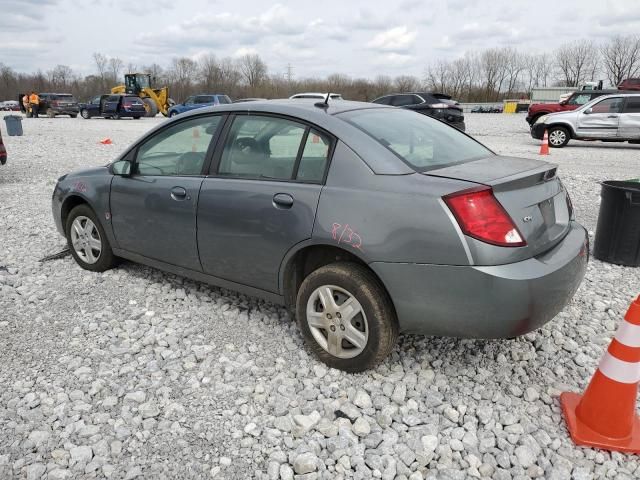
[[198, 101]]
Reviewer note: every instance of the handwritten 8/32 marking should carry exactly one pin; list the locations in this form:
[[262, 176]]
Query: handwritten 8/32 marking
[[346, 234]]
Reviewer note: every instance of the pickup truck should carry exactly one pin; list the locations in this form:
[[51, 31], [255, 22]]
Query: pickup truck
[[576, 100]]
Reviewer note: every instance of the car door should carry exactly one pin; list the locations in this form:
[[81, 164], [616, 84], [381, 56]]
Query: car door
[[629, 127], [110, 105], [153, 211], [189, 104], [261, 198], [601, 119]]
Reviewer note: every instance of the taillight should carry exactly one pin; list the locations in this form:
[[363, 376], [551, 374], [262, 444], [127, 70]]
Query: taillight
[[439, 105], [481, 216]]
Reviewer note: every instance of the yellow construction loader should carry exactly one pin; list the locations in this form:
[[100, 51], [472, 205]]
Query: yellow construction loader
[[155, 99]]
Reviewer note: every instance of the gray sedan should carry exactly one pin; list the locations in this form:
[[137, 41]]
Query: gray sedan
[[366, 221]]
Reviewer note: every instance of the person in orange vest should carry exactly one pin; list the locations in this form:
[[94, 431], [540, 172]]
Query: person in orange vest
[[25, 103], [34, 102]]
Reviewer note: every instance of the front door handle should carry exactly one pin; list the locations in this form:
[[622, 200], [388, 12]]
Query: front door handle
[[178, 193], [612, 116], [282, 200]]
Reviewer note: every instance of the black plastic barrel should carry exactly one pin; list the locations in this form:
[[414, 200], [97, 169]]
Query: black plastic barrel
[[618, 231], [14, 125]]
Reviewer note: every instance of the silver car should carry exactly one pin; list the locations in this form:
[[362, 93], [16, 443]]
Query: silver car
[[366, 221], [610, 118]]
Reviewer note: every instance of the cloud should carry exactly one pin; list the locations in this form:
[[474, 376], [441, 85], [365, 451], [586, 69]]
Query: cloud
[[397, 40], [619, 19], [242, 51]]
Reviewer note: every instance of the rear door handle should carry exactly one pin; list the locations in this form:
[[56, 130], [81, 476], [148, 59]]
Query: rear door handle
[[178, 193], [612, 116], [282, 200]]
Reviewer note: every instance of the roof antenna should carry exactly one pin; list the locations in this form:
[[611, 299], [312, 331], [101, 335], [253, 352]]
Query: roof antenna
[[324, 104]]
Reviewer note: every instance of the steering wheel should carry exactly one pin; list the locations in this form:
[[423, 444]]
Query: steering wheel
[[147, 165], [247, 144], [188, 160]]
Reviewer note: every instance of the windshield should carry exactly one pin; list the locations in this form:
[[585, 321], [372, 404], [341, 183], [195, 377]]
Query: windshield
[[418, 140], [224, 100]]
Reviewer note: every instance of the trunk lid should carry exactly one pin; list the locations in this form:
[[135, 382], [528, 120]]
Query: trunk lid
[[529, 191]]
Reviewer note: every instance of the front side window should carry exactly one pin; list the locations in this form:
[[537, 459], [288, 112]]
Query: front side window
[[580, 99], [418, 140], [383, 101], [178, 150], [205, 99], [189, 101], [224, 100], [608, 105]]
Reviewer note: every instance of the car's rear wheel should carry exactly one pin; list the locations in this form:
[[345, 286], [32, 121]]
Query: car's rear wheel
[[346, 317], [87, 240], [73, 115], [558, 137], [84, 113], [136, 118], [50, 113]]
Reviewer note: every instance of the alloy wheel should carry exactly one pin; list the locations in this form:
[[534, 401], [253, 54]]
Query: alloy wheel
[[557, 137], [337, 321], [86, 240]]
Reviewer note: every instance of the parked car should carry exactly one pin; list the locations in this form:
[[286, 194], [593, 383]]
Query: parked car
[[575, 100], [198, 101], [630, 84], [461, 241], [317, 96], [10, 106], [54, 104], [113, 106], [3, 151], [610, 118], [436, 105]]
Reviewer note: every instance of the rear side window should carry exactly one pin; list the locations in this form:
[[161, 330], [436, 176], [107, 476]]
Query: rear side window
[[404, 100], [383, 101], [418, 140], [632, 105], [264, 147]]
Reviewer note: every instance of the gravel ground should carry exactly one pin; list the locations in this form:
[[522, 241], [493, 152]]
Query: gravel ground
[[135, 373]]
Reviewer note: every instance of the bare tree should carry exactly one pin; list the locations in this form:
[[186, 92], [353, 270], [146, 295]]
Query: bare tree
[[102, 65], [253, 70], [406, 83], [621, 58], [115, 67], [182, 74], [577, 62], [61, 76]]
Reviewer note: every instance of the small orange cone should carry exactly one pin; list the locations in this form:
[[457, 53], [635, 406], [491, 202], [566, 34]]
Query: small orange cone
[[605, 416], [105, 141], [544, 146]]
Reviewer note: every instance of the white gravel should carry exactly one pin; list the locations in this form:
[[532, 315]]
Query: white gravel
[[135, 373]]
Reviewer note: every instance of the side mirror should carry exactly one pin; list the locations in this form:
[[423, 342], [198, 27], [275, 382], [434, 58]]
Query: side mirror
[[563, 102], [122, 168], [588, 111]]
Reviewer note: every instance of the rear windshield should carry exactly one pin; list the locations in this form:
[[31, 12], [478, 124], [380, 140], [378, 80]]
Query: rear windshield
[[418, 140], [63, 97]]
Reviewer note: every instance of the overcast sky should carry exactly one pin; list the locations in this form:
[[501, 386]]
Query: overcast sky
[[357, 38]]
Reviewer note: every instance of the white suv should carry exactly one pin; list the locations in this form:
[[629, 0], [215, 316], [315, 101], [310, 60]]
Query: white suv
[[610, 118]]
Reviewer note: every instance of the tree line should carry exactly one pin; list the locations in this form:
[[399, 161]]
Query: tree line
[[478, 76]]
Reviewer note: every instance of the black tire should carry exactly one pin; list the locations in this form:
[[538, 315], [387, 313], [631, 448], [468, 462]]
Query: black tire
[[379, 317], [84, 113], [105, 259], [152, 108], [136, 118], [117, 116], [173, 114], [73, 115], [50, 113], [558, 136]]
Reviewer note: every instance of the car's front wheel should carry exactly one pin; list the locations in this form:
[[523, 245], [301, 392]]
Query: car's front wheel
[[558, 137], [87, 240], [173, 114], [84, 113], [346, 317]]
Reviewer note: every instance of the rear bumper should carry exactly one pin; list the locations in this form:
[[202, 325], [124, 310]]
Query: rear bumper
[[537, 130], [487, 302]]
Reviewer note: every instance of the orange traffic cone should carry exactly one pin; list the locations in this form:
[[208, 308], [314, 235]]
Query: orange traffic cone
[[544, 146], [605, 416], [105, 141]]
